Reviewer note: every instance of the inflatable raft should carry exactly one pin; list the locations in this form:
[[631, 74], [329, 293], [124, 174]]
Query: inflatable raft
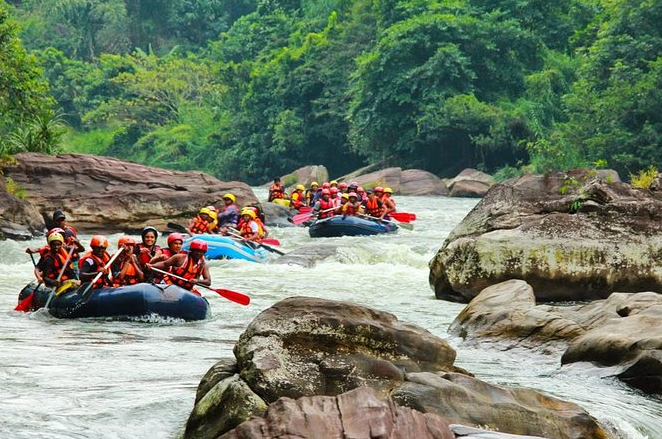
[[131, 301], [224, 247], [349, 226]]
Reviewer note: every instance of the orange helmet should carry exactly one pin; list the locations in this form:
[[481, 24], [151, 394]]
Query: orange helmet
[[99, 241], [125, 240]]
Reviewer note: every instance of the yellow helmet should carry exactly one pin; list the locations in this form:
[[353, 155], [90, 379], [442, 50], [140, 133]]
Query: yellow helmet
[[205, 210], [300, 187], [230, 197], [314, 183], [55, 237], [333, 182], [388, 190], [345, 196], [247, 211]]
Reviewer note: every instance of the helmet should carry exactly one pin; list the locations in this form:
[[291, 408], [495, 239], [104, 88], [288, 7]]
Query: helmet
[[388, 190], [352, 194], [314, 183], [326, 192], [345, 196], [99, 241], [379, 189], [333, 190], [253, 208], [149, 229], [212, 208], [198, 244], [342, 185], [360, 189], [125, 240], [300, 187], [55, 230], [325, 185], [333, 182], [55, 237], [175, 237], [354, 183], [205, 210], [248, 211], [230, 197]]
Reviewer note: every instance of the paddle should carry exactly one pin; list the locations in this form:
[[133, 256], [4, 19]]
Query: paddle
[[398, 223], [25, 304], [303, 217], [59, 277], [105, 267], [271, 241], [234, 296], [251, 243], [403, 217]]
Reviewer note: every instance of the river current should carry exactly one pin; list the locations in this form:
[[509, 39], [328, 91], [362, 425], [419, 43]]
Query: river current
[[96, 378]]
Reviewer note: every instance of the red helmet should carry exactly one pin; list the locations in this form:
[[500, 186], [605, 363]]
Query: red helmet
[[198, 244], [55, 230], [326, 192], [342, 185], [333, 190], [99, 241], [360, 189], [379, 189], [125, 240], [326, 185], [353, 194], [174, 237]]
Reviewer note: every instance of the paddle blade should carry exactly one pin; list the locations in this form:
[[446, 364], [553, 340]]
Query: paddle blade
[[234, 296], [403, 217], [406, 226], [271, 241], [25, 304], [301, 218], [305, 209]]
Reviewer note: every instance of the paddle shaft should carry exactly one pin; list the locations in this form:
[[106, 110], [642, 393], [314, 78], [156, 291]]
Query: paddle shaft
[[105, 267], [397, 223], [259, 244], [303, 217], [59, 277]]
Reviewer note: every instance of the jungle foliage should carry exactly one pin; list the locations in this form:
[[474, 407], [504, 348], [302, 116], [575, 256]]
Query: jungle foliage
[[251, 89]]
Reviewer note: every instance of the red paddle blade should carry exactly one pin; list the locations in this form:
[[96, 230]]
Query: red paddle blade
[[24, 305], [305, 209], [301, 218], [403, 217], [270, 241], [234, 296]]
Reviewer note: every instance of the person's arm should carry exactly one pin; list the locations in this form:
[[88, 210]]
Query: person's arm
[[174, 260], [206, 277]]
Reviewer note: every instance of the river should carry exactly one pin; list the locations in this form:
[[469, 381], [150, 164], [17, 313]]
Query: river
[[93, 378]]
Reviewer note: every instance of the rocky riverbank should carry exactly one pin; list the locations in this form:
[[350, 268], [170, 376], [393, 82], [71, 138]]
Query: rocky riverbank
[[308, 367]]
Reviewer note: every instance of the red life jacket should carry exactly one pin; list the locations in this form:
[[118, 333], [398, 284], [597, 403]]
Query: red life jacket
[[373, 207], [58, 262], [296, 199], [349, 209], [199, 226], [130, 277], [99, 263], [144, 258], [189, 270], [324, 205]]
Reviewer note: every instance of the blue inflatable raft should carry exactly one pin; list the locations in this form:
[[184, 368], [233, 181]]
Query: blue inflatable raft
[[349, 226], [224, 247], [128, 301]]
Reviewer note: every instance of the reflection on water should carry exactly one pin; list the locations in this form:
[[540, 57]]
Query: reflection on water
[[137, 379]]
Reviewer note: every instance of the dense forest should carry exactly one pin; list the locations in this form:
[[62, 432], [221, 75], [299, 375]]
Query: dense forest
[[251, 89]]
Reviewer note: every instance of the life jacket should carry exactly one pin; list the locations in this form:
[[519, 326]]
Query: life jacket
[[373, 207], [261, 230], [276, 191], [98, 263], [247, 231], [130, 277], [296, 200], [324, 205], [189, 270], [199, 226], [144, 258], [350, 209], [309, 195], [59, 260]]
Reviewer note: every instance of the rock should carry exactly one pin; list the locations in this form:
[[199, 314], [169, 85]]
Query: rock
[[534, 229], [462, 431], [18, 219], [622, 334], [277, 215], [308, 347], [470, 183], [358, 413], [304, 176], [308, 256], [417, 182], [103, 194]]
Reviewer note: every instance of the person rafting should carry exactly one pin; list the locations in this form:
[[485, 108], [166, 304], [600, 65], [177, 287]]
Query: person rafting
[[148, 248], [388, 202], [94, 261], [202, 223], [53, 262], [250, 228], [334, 196], [310, 193], [229, 216], [353, 205], [276, 190], [126, 269], [191, 266], [60, 220], [296, 198], [324, 207], [373, 206], [175, 243]]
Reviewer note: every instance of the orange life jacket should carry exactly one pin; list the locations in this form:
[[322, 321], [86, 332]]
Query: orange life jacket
[[130, 277], [373, 207], [58, 262], [199, 226], [188, 270], [276, 191], [247, 231], [99, 263]]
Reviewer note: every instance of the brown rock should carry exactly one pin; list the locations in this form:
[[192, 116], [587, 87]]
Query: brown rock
[[108, 195], [18, 218], [304, 176], [417, 182]]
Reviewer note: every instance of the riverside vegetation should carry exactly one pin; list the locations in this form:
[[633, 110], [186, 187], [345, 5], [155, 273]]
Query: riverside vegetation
[[250, 89]]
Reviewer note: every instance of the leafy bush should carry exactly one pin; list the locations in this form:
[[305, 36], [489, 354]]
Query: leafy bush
[[644, 178]]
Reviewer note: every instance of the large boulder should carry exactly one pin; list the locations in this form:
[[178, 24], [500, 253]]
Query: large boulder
[[304, 176], [307, 347], [470, 183], [407, 182], [103, 194], [622, 332], [571, 236], [18, 218]]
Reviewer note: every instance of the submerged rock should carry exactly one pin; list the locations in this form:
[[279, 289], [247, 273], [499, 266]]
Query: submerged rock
[[569, 241], [621, 335], [103, 194], [307, 347]]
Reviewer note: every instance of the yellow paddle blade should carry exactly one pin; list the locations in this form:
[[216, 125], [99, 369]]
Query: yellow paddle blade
[[67, 285]]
